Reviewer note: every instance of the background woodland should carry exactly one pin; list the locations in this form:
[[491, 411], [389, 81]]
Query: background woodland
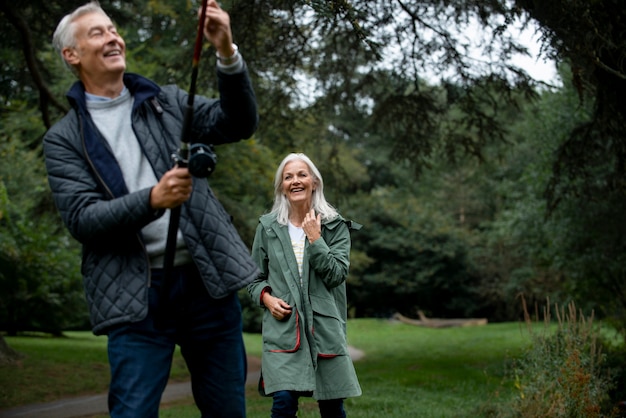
[[475, 183]]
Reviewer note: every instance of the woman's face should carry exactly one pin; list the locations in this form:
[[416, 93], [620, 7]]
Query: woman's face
[[298, 183]]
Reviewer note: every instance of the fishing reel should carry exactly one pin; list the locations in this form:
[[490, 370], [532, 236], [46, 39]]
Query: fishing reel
[[200, 159]]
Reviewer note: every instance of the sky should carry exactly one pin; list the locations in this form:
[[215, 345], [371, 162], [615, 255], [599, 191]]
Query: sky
[[536, 66]]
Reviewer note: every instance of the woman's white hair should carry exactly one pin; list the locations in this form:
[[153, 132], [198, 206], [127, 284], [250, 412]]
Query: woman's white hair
[[281, 204], [65, 33]]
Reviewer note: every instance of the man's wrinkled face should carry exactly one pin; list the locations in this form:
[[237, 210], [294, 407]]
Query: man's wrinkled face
[[99, 51]]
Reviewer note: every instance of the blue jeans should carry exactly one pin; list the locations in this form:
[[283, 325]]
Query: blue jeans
[[285, 405], [209, 333]]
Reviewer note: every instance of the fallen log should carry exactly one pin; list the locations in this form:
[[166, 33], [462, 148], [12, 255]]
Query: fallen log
[[439, 322]]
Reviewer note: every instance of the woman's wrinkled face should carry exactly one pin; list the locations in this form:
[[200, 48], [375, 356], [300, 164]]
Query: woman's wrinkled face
[[298, 183]]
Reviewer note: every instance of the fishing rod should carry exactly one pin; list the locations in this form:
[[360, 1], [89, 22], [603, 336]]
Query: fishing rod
[[201, 162]]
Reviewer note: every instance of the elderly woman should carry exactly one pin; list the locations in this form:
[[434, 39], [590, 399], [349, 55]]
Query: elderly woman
[[302, 248]]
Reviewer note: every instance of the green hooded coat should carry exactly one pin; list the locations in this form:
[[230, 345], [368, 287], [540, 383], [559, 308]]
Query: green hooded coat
[[308, 351]]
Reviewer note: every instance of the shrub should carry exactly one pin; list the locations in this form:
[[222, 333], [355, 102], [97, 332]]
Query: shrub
[[561, 374]]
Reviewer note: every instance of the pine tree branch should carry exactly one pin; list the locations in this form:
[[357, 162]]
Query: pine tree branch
[[46, 97]]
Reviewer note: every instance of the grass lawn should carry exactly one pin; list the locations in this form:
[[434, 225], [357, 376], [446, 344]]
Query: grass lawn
[[407, 371]]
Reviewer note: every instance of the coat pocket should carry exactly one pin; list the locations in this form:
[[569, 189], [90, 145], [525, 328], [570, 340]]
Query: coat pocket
[[281, 336], [329, 330]]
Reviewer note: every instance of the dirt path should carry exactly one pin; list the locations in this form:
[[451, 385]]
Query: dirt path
[[90, 405]]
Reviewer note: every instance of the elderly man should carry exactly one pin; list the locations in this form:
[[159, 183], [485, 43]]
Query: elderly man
[[111, 174]]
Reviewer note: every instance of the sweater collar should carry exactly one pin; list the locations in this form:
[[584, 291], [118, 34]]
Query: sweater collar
[[140, 88], [99, 154]]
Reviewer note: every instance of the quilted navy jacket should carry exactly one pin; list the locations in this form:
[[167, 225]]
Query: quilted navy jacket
[[91, 195]]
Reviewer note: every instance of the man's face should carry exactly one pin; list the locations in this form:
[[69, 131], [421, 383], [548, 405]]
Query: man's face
[[100, 51]]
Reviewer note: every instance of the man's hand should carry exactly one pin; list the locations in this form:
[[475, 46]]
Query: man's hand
[[217, 28], [172, 190]]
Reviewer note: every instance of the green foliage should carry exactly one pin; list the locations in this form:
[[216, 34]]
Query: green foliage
[[39, 276], [416, 259], [243, 182], [251, 312], [39, 264], [573, 251]]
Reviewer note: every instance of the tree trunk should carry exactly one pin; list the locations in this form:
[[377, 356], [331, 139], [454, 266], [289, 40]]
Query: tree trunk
[[7, 354]]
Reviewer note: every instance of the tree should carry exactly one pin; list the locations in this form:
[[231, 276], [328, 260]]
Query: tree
[[366, 86], [39, 273], [591, 37], [7, 354], [287, 42], [577, 252]]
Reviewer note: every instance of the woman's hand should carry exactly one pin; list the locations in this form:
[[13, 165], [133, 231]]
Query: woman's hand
[[312, 226], [277, 307]]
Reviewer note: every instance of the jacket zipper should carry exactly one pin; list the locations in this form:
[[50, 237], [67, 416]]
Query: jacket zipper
[[110, 193]]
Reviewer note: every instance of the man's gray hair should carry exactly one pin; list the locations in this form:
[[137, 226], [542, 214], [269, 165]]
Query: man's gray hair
[[318, 203], [65, 33]]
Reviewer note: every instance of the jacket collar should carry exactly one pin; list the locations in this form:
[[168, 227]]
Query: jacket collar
[[270, 218], [96, 149], [139, 87]]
